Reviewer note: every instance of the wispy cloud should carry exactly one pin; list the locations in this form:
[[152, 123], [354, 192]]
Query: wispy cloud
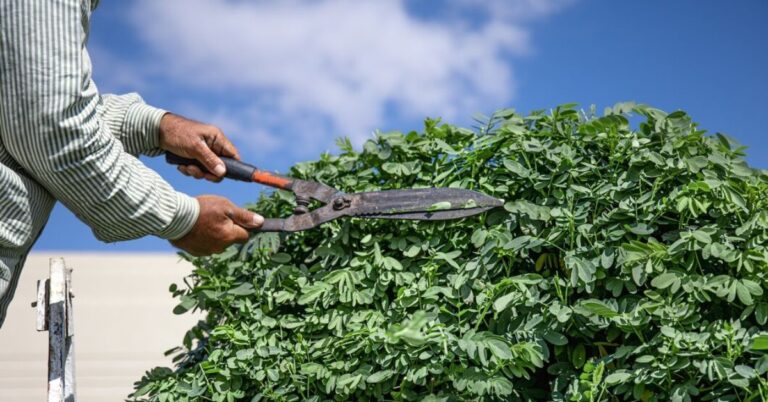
[[322, 69]]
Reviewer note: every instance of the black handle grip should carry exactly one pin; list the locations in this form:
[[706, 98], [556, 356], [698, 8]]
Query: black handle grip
[[236, 170]]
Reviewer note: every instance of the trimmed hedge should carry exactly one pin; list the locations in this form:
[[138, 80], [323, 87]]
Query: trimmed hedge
[[629, 263]]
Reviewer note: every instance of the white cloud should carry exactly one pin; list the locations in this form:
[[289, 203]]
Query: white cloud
[[515, 10], [322, 69]]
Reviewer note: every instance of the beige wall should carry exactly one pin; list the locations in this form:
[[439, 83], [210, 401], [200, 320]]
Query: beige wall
[[123, 324]]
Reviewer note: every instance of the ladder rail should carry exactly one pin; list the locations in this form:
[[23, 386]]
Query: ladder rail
[[55, 315]]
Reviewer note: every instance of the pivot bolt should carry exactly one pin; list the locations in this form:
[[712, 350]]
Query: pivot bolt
[[341, 203]]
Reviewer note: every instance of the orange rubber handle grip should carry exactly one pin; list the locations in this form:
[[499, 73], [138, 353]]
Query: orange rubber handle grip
[[237, 170]]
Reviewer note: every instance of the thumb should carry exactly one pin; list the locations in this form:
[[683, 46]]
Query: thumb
[[246, 218], [209, 159]]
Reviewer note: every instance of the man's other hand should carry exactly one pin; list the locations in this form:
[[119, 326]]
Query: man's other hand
[[220, 224], [194, 140]]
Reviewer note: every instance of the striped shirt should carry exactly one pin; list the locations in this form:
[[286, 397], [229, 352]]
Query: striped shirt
[[61, 140]]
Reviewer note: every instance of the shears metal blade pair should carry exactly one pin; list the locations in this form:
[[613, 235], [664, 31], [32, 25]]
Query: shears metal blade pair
[[429, 204]]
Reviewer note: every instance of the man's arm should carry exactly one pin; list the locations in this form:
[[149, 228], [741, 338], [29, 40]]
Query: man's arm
[[132, 122], [50, 126], [147, 130]]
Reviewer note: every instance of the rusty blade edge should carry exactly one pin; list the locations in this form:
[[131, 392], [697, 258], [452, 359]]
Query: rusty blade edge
[[446, 214]]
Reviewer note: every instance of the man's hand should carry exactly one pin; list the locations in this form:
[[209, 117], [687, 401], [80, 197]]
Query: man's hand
[[220, 224], [195, 140]]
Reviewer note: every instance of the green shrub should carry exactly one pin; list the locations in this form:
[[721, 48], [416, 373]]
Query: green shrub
[[627, 264]]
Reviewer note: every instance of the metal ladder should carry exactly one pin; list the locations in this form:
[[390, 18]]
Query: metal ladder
[[54, 314]]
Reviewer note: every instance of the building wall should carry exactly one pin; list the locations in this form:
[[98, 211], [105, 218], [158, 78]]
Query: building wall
[[123, 324]]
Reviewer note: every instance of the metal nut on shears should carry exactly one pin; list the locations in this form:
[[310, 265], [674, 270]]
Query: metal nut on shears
[[341, 203]]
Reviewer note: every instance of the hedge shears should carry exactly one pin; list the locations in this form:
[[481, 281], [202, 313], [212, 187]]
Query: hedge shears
[[429, 204]]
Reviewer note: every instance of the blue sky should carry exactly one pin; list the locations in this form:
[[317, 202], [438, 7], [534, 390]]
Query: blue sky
[[284, 79]]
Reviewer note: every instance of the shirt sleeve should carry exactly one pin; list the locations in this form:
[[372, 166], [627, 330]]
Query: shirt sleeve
[[51, 125], [135, 124]]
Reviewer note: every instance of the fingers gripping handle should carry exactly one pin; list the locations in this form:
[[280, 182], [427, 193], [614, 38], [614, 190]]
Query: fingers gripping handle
[[242, 171], [236, 170]]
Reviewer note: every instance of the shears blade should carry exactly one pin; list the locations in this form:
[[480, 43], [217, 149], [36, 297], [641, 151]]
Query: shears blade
[[422, 204], [429, 204]]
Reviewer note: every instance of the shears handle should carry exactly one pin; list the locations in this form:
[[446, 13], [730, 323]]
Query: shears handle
[[237, 170]]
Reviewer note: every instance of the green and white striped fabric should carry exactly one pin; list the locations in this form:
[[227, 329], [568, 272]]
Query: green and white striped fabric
[[61, 140]]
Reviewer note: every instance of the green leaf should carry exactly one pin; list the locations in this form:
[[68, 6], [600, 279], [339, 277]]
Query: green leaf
[[243, 289], [478, 237], [379, 376], [411, 251], [534, 211], [311, 368], [398, 169], [501, 386], [517, 168], [618, 377], [499, 348], [598, 307], [701, 236], [759, 342], [228, 253], [761, 313], [664, 280], [752, 287], [187, 303], [556, 338], [607, 258], [640, 229], [392, 263], [697, 163], [579, 356], [281, 258], [743, 293], [313, 292], [745, 371], [502, 302]]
